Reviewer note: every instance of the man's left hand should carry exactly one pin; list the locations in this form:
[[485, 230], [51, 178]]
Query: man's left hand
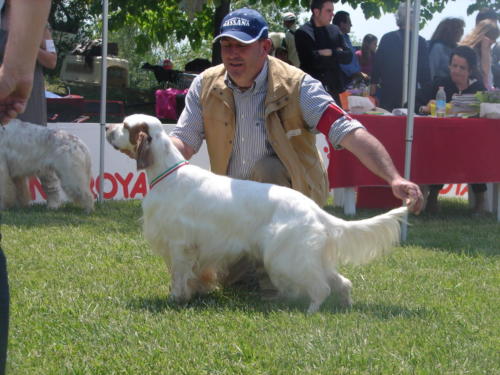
[[410, 193]]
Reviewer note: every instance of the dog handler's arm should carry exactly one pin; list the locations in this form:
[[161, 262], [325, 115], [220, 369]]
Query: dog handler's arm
[[186, 150], [335, 122], [47, 54], [375, 157], [27, 20]]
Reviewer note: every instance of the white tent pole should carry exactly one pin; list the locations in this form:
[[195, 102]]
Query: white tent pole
[[104, 82], [412, 84], [406, 53]]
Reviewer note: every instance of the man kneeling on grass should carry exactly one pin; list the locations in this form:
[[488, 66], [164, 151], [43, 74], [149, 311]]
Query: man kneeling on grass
[[260, 116]]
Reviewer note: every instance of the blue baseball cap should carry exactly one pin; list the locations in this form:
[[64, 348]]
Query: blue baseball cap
[[245, 25]]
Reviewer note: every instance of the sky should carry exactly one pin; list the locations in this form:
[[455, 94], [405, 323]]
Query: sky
[[387, 22]]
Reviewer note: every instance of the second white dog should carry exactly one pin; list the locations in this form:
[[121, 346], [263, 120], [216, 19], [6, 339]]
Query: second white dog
[[202, 223], [28, 149]]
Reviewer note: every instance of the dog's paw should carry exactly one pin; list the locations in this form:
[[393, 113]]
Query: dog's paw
[[345, 302], [53, 204], [269, 295], [313, 308], [176, 298], [173, 299]]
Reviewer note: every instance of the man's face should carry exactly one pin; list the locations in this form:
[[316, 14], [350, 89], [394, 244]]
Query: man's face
[[244, 61], [459, 70], [323, 16], [345, 27]]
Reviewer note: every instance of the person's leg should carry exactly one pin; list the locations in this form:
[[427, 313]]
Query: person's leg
[[432, 198], [4, 311], [479, 195], [272, 171], [245, 272]]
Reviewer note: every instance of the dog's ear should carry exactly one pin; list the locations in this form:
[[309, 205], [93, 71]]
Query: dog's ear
[[135, 130], [143, 150]]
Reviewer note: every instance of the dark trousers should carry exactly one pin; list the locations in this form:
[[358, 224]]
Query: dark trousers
[[476, 188], [4, 311], [268, 170]]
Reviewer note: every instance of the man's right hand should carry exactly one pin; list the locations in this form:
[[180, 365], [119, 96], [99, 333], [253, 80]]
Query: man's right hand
[[325, 52], [14, 95]]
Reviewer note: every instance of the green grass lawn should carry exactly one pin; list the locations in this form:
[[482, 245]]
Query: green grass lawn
[[88, 297]]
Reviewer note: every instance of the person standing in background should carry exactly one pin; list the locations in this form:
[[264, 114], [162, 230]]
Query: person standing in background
[[366, 55], [490, 14], [388, 66], [36, 108], [277, 39], [28, 19], [322, 48], [290, 23], [444, 39], [486, 14], [481, 39], [352, 70], [495, 65]]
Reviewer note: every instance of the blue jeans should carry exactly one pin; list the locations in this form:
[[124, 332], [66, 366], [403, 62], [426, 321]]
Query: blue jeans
[[4, 311]]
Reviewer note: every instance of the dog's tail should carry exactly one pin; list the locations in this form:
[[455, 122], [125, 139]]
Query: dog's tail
[[360, 241]]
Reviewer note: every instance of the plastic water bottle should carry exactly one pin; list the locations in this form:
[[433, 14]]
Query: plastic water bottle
[[441, 102]]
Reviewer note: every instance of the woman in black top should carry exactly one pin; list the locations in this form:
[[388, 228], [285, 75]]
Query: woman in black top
[[461, 80]]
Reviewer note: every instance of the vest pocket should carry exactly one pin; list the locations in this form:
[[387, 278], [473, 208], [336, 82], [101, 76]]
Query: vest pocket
[[293, 133]]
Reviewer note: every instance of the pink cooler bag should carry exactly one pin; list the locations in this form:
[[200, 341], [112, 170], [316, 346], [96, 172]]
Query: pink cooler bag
[[166, 107]]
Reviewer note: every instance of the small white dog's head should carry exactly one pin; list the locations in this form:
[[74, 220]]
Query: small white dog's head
[[133, 137]]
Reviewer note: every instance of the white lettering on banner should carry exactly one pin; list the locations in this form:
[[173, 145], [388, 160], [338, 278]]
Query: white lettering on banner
[[236, 21]]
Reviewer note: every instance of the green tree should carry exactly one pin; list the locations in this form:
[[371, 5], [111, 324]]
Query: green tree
[[480, 4], [198, 20], [184, 29], [74, 16]]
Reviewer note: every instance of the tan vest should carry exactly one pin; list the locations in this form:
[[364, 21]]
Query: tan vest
[[294, 144]]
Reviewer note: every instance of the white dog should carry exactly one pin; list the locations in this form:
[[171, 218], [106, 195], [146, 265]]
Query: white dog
[[27, 149], [202, 223]]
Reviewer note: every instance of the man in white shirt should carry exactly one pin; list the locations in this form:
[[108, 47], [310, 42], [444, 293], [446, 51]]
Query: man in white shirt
[[290, 23]]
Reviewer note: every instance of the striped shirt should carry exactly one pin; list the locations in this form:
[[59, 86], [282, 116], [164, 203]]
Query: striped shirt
[[251, 142]]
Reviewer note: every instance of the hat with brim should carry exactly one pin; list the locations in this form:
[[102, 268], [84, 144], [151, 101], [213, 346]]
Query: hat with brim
[[245, 25], [289, 16]]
